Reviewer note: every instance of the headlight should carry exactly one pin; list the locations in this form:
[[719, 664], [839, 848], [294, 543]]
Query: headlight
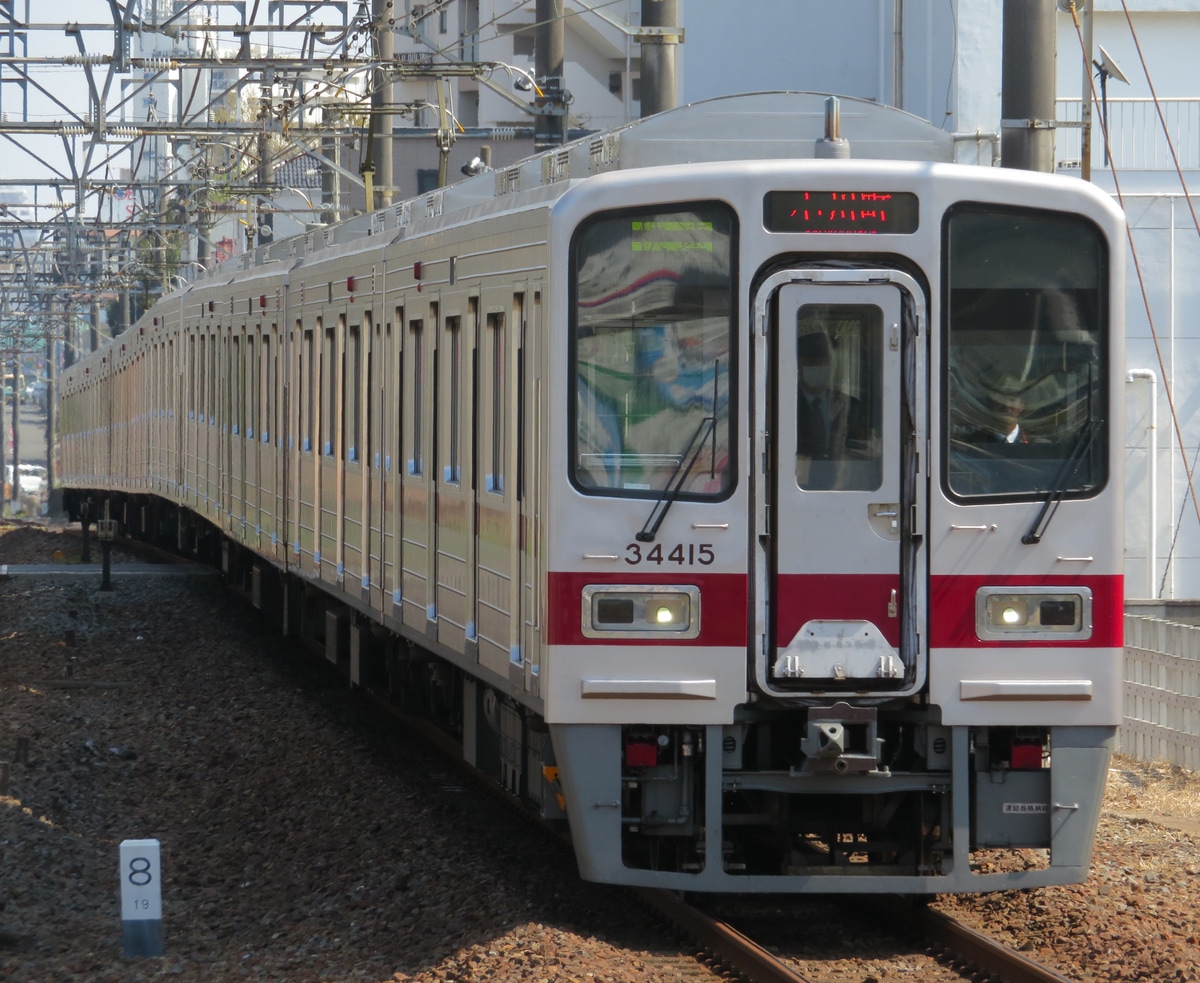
[[1033, 613], [628, 611]]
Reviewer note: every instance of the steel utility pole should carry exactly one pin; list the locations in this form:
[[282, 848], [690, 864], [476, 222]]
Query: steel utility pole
[[1027, 85], [550, 123], [382, 95], [660, 38]]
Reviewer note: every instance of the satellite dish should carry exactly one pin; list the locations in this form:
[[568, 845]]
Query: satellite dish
[[1107, 67]]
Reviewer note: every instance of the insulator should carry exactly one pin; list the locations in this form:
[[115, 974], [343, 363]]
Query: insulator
[[87, 59], [157, 64]]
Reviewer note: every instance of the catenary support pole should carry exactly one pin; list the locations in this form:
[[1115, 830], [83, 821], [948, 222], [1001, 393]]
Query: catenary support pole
[[381, 99], [550, 125], [1027, 85], [659, 50]]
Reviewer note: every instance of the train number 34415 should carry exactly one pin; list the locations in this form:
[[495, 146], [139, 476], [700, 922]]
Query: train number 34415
[[683, 554]]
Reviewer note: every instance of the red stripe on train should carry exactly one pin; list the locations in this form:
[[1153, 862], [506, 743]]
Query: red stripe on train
[[952, 609], [724, 610]]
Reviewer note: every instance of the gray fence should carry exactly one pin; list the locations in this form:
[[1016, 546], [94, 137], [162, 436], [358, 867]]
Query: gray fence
[[1162, 691]]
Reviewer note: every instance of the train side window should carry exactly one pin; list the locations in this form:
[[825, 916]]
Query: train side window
[[277, 393], [307, 352], [251, 387], [652, 349], [317, 377], [352, 400], [388, 377], [238, 397], [396, 378], [200, 368], [214, 375], [370, 438], [472, 382], [453, 473], [266, 400], [203, 407], [518, 319], [416, 392], [191, 376], [224, 380], [494, 372], [1024, 354], [329, 387]]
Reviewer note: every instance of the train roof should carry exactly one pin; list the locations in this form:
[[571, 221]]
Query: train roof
[[778, 125], [748, 126]]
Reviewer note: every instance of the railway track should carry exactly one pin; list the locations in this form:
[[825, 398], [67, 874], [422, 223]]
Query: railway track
[[943, 949], [806, 939]]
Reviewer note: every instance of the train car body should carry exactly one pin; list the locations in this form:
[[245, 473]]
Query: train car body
[[746, 492]]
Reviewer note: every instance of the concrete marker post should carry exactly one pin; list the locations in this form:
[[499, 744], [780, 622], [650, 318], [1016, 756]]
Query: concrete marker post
[[141, 898]]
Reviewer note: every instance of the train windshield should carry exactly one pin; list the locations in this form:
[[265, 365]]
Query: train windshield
[[651, 345], [1024, 368]]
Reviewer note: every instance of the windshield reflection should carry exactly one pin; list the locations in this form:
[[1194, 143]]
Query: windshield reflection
[[652, 342]]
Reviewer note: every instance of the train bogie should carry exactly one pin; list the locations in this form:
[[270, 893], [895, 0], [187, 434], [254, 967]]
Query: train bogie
[[759, 514]]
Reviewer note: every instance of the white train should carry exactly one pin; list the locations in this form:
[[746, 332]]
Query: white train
[[745, 490]]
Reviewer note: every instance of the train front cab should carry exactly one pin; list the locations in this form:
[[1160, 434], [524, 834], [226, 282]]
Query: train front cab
[[926, 687]]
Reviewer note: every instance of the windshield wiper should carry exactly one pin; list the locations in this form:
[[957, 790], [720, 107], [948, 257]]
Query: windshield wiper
[[687, 461], [1068, 471]]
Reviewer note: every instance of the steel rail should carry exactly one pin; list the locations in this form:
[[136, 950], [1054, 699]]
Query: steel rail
[[986, 953], [736, 950]]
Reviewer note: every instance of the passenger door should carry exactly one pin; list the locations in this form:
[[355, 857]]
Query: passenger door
[[840, 566]]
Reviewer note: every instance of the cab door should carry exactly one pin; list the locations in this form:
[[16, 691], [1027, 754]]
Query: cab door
[[840, 565]]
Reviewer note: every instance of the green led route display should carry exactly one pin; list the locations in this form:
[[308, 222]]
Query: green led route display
[[671, 236]]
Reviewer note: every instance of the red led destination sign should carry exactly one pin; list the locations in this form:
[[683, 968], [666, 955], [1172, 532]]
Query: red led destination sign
[[891, 212]]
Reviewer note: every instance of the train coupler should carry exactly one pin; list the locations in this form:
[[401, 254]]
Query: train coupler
[[842, 740]]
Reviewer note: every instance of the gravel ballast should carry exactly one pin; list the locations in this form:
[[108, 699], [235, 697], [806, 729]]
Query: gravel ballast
[[304, 840]]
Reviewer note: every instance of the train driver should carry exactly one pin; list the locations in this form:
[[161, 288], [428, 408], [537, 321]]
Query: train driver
[[1004, 424], [833, 432]]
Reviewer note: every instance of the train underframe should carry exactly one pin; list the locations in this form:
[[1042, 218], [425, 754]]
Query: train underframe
[[950, 809], [824, 798]]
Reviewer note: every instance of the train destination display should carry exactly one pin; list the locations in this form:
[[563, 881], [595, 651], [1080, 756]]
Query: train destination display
[[893, 212]]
